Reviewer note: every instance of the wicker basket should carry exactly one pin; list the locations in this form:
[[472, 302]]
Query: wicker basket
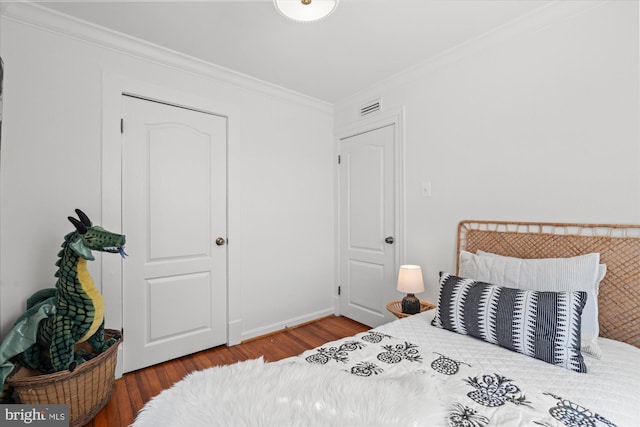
[[86, 390]]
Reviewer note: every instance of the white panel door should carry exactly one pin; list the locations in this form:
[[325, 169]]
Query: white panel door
[[367, 225], [173, 210]]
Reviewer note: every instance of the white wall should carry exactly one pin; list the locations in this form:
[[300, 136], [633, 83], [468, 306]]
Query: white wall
[[280, 171], [537, 121]]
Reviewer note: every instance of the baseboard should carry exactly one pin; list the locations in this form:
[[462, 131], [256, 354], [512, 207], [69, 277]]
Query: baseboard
[[275, 327]]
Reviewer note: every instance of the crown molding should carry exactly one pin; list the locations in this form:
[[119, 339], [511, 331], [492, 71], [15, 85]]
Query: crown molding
[[536, 20], [46, 19]]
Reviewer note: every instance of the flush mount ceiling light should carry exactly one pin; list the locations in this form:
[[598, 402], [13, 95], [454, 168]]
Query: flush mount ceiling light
[[306, 10]]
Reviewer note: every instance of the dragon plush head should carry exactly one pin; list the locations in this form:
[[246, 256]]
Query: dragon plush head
[[89, 238]]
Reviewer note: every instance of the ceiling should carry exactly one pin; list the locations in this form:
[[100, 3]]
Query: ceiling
[[362, 42]]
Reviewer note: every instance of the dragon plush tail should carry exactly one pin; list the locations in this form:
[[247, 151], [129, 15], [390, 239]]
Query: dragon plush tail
[[23, 334]]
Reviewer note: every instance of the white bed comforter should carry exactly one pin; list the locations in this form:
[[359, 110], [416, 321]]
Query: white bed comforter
[[481, 384], [406, 373]]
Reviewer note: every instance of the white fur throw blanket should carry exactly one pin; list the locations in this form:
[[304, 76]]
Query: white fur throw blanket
[[254, 393]]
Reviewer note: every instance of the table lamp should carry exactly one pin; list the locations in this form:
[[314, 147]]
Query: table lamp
[[410, 281]]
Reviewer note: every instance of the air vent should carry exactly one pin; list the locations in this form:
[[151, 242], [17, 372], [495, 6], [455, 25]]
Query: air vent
[[370, 108]]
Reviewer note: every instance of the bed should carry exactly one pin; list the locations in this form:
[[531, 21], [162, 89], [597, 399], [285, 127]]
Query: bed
[[452, 366]]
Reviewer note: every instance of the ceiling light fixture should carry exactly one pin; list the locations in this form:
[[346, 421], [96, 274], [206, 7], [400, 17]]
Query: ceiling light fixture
[[306, 10]]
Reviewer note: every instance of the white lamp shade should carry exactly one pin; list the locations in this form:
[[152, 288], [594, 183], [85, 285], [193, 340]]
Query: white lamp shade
[[410, 279], [298, 11]]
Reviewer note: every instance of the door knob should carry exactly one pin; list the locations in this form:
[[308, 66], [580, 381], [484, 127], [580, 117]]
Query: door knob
[[389, 240], [220, 241]]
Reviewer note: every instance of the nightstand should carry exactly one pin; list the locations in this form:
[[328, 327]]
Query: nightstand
[[395, 307]]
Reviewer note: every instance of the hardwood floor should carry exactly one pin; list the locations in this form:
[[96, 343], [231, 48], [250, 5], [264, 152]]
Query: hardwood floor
[[134, 389]]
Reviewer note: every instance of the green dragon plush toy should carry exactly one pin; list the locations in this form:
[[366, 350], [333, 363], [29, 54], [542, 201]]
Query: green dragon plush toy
[[73, 312]]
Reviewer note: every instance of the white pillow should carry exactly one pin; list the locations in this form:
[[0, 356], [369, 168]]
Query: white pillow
[[581, 273]]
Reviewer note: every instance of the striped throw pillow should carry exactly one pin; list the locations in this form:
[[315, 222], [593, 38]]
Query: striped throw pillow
[[543, 325]]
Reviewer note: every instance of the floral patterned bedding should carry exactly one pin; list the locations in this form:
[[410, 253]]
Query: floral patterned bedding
[[481, 384]]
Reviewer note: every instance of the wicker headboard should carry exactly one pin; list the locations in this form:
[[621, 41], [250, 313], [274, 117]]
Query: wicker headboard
[[618, 245]]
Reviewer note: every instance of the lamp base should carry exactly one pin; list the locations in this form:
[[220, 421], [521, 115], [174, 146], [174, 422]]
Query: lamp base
[[410, 304]]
